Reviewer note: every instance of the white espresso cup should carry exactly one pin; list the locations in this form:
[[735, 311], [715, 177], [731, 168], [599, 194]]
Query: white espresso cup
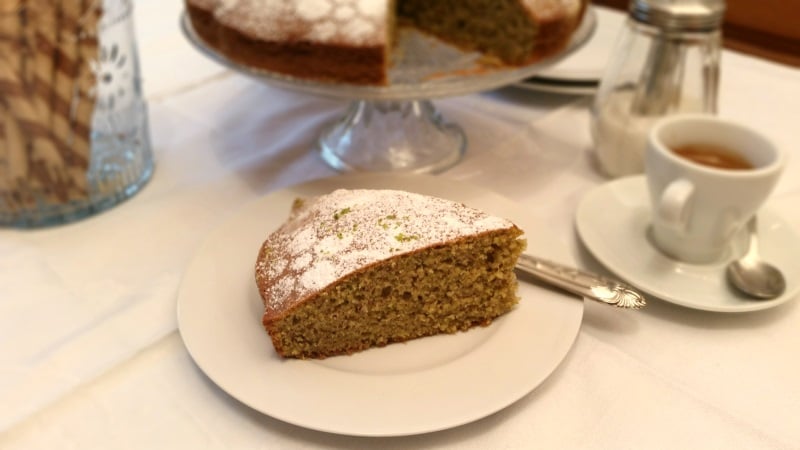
[[707, 177]]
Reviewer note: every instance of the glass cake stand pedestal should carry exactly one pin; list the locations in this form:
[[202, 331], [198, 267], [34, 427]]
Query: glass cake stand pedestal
[[397, 128]]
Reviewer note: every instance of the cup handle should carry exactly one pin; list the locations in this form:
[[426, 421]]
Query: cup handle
[[675, 204]]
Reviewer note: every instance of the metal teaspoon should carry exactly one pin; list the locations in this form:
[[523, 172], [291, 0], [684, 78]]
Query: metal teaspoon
[[752, 275]]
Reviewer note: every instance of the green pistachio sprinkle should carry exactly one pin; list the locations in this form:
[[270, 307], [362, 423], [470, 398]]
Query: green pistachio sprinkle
[[405, 238], [340, 213], [391, 221]]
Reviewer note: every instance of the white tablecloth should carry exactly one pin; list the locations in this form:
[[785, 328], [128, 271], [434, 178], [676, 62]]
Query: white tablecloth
[[90, 355]]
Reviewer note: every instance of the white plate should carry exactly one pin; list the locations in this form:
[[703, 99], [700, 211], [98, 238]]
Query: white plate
[[613, 222], [420, 386]]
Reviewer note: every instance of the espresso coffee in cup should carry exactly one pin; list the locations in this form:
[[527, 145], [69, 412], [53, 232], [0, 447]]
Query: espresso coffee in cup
[[713, 156], [707, 176]]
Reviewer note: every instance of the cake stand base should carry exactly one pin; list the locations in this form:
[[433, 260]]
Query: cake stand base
[[392, 136]]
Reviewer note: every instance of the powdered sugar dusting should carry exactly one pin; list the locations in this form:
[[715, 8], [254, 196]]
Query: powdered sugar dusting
[[350, 22], [333, 235], [552, 9], [312, 10]]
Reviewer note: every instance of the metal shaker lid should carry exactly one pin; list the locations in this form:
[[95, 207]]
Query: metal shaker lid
[[679, 15]]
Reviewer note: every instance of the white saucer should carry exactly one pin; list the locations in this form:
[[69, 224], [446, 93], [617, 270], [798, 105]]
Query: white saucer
[[613, 222]]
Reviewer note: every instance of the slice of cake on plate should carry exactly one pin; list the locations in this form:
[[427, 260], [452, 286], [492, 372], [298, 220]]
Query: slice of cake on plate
[[356, 269]]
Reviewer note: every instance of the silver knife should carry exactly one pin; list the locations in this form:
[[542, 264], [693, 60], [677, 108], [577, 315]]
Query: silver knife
[[582, 283]]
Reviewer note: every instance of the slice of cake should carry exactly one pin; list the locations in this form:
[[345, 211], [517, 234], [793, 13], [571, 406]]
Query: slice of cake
[[356, 269], [351, 41]]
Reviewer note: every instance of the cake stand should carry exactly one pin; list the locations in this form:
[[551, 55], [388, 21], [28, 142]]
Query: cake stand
[[396, 128]]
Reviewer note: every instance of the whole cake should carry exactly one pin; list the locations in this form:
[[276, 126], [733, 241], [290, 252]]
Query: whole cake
[[356, 269], [351, 40]]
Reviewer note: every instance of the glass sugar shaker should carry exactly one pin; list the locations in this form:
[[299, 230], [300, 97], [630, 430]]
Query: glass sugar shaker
[[74, 139], [666, 61]]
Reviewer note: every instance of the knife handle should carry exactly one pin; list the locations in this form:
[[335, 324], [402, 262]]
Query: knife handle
[[581, 282]]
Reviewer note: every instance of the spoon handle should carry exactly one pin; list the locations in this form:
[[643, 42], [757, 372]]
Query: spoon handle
[[752, 232], [582, 283]]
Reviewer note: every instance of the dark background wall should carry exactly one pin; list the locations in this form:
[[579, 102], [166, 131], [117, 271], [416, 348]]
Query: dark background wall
[[766, 28]]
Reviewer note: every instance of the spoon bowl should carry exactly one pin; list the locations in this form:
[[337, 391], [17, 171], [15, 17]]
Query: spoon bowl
[[752, 275]]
